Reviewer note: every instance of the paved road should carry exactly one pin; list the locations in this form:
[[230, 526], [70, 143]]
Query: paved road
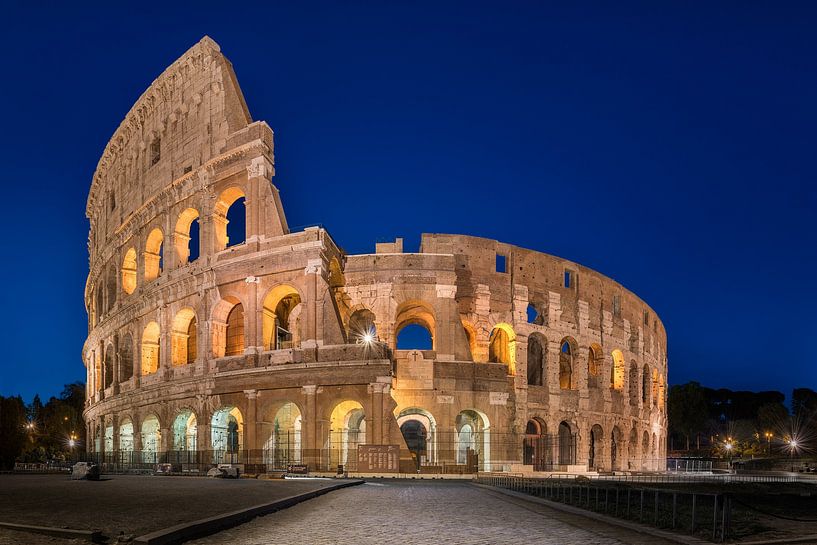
[[405, 513]]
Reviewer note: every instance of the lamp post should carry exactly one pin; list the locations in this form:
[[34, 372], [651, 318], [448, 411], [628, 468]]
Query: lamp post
[[728, 447], [792, 448], [768, 436]]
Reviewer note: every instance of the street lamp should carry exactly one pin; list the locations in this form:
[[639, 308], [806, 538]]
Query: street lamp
[[768, 436]]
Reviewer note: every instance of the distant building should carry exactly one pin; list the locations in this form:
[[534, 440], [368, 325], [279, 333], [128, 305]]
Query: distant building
[[273, 347]]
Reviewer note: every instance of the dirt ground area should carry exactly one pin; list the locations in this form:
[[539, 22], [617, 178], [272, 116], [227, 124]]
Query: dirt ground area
[[133, 505]]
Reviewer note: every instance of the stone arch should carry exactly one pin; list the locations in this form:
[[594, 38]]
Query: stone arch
[[502, 346], [535, 444], [183, 337], [154, 249], [595, 447], [655, 387], [362, 326], [225, 202], [661, 392], [594, 364], [471, 337], [100, 304], [415, 312], [568, 349], [109, 365], [284, 442], [151, 438], [150, 349], [228, 326], [645, 449], [617, 370], [566, 446], [632, 382], [632, 448], [615, 448], [129, 271], [537, 359], [281, 314], [182, 237], [125, 435], [336, 278], [347, 430], [126, 357], [419, 430], [473, 439], [226, 432], [185, 431]]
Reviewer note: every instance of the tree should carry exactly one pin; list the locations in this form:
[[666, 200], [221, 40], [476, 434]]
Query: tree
[[687, 410], [12, 430]]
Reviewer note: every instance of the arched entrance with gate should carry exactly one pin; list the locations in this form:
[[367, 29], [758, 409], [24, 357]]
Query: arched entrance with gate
[[419, 430]]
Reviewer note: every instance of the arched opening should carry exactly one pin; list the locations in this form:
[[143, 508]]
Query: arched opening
[[536, 359], [595, 447], [617, 371], [226, 434], [661, 392], [655, 387], [97, 371], [473, 441], [186, 236], [645, 385], [227, 328], [281, 316], [535, 446], [154, 248], [632, 449], [615, 443], [419, 431], [415, 313], [150, 349], [126, 357], [347, 430], [593, 365], [415, 435], [414, 337], [109, 366], [183, 348], [126, 436], [633, 384], [283, 446], [645, 450], [109, 439], [110, 287], [185, 431], [362, 326], [230, 218], [100, 304], [502, 347], [129, 271], [567, 445], [151, 439], [566, 351], [471, 337]]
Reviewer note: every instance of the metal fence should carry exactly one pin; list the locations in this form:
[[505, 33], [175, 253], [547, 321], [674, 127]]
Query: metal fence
[[698, 513]]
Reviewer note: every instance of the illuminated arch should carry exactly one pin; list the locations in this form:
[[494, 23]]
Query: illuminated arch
[[283, 446], [154, 247], [595, 447], [151, 438], [347, 425], [419, 429], [362, 325], [182, 237], [568, 349], [617, 370], [226, 201], [129, 271], [109, 366], [471, 337], [226, 431], [150, 349], [228, 327], [280, 317], [183, 337], [185, 431], [473, 439], [594, 364], [126, 357], [415, 312], [502, 347], [126, 435]]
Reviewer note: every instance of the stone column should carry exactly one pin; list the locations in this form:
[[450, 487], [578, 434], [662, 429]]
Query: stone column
[[253, 338], [445, 324], [116, 365], [251, 423], [101, 433], [310, 443], [115, 424], [310, 329], [376, 391], [165, 356]]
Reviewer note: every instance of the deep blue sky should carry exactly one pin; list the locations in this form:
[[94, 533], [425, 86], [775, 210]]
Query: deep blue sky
[[669, 146]]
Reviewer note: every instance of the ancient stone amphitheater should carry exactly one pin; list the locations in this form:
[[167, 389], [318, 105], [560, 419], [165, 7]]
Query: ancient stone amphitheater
[[217, 334]]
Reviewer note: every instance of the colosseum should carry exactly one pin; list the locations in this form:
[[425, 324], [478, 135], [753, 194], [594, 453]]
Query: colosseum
[[219, 335]]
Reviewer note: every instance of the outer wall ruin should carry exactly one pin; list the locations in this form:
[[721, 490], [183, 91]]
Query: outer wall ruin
[[272, 347]]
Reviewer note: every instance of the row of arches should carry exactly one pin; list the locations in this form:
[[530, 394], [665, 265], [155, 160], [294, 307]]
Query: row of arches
[[229, 229]]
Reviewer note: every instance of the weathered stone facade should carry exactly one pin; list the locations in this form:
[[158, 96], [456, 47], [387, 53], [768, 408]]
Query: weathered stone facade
[[283, 348]]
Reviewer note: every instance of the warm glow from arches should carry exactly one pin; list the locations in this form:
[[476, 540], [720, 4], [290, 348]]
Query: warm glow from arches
[[129, 271], [153, 254], [617, 371], [150, 349], [502, 347], [181, 235]]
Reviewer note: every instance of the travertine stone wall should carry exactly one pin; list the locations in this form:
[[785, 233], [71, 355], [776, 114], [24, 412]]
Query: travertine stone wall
[[520, 349]]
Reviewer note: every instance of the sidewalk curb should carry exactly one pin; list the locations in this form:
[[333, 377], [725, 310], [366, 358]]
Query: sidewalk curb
[[640, 528], [94, 536], [210, 525]]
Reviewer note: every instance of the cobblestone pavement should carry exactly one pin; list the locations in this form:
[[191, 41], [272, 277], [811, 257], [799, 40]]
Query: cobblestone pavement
[[403, 512]]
